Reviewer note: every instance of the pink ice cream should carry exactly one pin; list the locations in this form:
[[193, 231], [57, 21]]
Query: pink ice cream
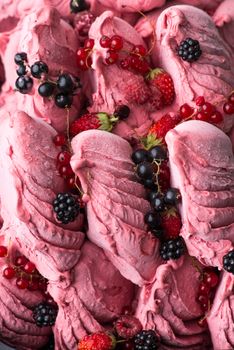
[[202, 168], [101, 299], [116, 204], [111, 84], [220, 319], [224, 20], [30, 180], [46, 37], [126, 5], [212, 75], [169, 306], [18, 328]]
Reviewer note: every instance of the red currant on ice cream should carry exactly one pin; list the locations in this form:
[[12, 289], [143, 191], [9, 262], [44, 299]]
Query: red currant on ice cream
[[64, 158], [228, 108], [22, 283], [9, 272], [105, 42], [186, 111], [139, 50], [211, 279], [89, 44], [60, 140], [111, 57], [30, 267], [3, 251], [216, 117], [116, 43], [21, 261]]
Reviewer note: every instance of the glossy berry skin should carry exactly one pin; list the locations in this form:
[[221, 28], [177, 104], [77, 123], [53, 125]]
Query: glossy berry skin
[[20, 58], [66, 208], [111, 57], [149, 184], [84, 63], [29, 267], [172, 249], [46, 89], [146, 340], [122, 112], [116, 43], [172, 196], [89, 44], [21, 260], [3, 251], [63, 100], [158, 203], [231, 98], [64, 158], [128, 326], [204, 288], [200, 100], [44, 315], [216, 117], [105, 42], [21, 70], [186, 111], [139, 50], [39, 68], [211, 279], [202, 116], [66, 171], [77, 6], [145, 171], [65, 83], [228, 262], [60, 140], [228, 108], [24, 84], [157, 153], [140, 156], [152, 195], [22, 283], [152, 220], [9, 273], [189, 50], [208, 108]]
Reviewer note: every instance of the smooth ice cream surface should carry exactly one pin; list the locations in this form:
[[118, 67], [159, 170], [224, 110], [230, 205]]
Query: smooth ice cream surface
[[116, 205], [202, 167]]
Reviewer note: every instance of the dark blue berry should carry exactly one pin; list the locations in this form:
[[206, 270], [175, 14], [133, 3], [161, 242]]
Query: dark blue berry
[[46, 89], [157, 153], [66, 207], [146, 340], [63, 100], [149, 184], [65, 83], [78, 6], [45, 315], [145, 171], [122, 112], [172, 196], [172, 249], [189, 50], [157, 203], [228, 262], [21, 70], [24, 84], [39, 68], [152, 220], [140, 156], [20, 58]]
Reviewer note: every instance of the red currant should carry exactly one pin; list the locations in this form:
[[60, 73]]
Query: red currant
[[60, 140], [3, 251], [82, 53], [201, 298], [139, 50], [216, 118], [21, 261], [33, 285], [29, 267], [66, 171], [186, 111], [22, 283], [105, 42], [211, 279], [202, 116], [116, 43], [208, 108], [89, 44], [84, 63], [111, 57], [231, 98], [9, 273], [228, 108], [200, 101], [125, 63], [204, 288], [64, 158], [202, 322]]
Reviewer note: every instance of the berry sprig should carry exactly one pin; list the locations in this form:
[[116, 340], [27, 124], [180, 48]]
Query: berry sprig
[[23, 271], [209, 280]]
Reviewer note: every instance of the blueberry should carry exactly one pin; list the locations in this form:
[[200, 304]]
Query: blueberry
[[140, 156], [39, 68], [24, 84], [63, 100], [145, 171], [65, 83], [20, 58]]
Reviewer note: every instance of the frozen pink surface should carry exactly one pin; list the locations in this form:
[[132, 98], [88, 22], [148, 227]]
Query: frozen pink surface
[[202, 168], [116, 204]]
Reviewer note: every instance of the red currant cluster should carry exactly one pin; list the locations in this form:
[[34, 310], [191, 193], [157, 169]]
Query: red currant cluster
[[228, 106], [208, 283], [84, 59], [205, 111], [25, 272]]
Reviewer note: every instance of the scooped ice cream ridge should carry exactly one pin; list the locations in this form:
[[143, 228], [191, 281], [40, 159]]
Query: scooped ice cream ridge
[[117, 175]]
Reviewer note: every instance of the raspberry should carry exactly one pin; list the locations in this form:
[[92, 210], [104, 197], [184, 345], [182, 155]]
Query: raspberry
[[128, 326]]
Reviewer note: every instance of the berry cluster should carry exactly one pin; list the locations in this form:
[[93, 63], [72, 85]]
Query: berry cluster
[[205, 111], [84, 59], [228, 106], [208, 282], [163, 220], [45, 314], [66, 207], [24, 272], [189, 50], [62, 89], [228, 262]]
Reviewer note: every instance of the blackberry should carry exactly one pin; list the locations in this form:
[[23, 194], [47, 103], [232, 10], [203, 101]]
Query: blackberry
[[157, 153], [140, 156], [189, 50], [172, 249], [24, 84], [66, 207], [228, 262], [63, 100], [38, 68], [78, 6], [146, 340], [122, 112], [45, 315], [20, 58]]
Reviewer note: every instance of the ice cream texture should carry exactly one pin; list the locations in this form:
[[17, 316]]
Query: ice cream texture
[[108, 260]]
